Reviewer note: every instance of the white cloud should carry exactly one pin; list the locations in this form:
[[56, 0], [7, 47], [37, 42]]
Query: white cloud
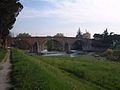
[[79, 10]]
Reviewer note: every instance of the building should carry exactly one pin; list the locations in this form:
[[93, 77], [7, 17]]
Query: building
[[87, 35]]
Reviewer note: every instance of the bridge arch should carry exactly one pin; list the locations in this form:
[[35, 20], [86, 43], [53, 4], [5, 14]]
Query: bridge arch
[[52, 45], [77, 45]]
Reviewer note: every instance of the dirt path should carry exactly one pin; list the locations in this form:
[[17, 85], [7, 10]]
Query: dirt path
[[4, 73]]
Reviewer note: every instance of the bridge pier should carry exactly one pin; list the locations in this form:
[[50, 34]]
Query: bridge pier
[[67, 47], [36, 48]]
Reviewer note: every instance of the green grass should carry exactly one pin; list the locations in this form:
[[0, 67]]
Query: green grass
[[64, 73], [2, 54], [103, 73]]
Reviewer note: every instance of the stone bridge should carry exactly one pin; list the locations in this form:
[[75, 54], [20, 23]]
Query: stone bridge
[[37, 44]]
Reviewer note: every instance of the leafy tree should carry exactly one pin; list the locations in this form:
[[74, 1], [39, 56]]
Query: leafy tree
[[53, 45], [106, 40], [111, 33], [9, 10], [59, 35], [105, 34], [97, 36], [102, 40], [21, 35], [21, 44]]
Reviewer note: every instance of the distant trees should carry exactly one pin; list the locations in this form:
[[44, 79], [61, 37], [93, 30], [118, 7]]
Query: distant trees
[[9, 10], [97, 36], [110, 42], [102, 36], [21, 44], [53, 45], [21, 35], [105, 33], [59, 35], [106, 39]]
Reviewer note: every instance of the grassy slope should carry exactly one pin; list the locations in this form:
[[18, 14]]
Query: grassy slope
[[29, 73], [2, 54], [105, 74]]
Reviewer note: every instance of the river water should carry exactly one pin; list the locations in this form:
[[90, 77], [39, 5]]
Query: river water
[[57, 53]]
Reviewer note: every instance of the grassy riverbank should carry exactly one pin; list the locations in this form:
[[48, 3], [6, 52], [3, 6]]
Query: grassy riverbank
[[64, 73]]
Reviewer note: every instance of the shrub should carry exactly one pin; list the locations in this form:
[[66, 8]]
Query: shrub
[[116, 55], [109, 52]]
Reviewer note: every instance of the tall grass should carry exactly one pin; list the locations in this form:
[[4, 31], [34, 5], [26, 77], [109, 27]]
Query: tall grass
[[39, 73], [2, 54]]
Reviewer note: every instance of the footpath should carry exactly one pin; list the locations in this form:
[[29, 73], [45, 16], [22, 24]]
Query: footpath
[[5, 68]]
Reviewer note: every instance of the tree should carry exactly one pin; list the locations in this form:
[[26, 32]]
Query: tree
[[105, 34], [21, 35], [9, 10], [106, 40], [53, 45], [59, 35], [79, 34], [97, 36], [111, 33], [21, 44]]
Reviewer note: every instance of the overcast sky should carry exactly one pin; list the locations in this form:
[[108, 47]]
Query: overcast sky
[[48, 17]]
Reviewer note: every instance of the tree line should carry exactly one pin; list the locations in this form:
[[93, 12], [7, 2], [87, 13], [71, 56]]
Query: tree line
[[106, 39], [109, 41]]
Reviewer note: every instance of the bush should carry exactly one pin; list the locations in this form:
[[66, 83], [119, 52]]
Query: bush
[[109, 52], [116, 55]]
